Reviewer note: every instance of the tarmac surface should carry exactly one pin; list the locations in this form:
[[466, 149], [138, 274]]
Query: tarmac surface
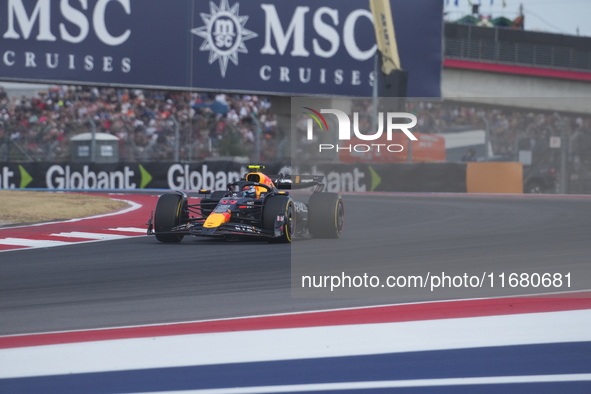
[[140, 281]]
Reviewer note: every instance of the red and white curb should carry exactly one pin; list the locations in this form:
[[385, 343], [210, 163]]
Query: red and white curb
[[310, 335], [125, 223]]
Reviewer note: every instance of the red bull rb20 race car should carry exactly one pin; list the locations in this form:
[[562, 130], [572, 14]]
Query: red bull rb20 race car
[[255, 206]]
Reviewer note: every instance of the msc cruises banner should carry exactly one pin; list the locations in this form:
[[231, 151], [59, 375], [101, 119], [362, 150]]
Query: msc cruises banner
[[323, 47]]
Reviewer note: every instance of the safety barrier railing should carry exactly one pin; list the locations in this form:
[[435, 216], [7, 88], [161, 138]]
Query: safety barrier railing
[[517, 53]]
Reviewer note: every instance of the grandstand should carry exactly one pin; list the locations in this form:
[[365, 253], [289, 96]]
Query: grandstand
[[192, 125]]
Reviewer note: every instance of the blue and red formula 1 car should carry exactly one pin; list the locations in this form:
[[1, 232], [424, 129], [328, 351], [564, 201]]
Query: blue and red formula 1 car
[[255, 206]]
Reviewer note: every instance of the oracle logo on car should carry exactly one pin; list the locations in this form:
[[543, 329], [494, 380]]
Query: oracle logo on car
[[344, 130]]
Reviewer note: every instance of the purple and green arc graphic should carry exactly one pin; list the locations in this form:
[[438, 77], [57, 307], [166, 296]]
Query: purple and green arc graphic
[[316, 115]]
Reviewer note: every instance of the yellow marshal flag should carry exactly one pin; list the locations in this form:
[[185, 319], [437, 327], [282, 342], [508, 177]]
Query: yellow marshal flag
[[385, 37]]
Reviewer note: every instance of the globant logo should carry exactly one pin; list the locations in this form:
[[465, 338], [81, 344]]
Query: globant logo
[[344, 130]]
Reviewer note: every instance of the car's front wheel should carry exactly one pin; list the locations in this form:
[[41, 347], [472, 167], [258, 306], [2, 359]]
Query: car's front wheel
[[280, 206], [168, 214]]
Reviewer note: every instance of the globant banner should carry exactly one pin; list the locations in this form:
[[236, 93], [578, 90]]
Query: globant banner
[[215, 175], [301, 47], [129, 176]]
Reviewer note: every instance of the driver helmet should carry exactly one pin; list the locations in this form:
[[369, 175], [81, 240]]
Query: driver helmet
[[249, 191]]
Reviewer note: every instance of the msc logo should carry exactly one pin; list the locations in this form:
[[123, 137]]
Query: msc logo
[[344, 132], [224, 34]]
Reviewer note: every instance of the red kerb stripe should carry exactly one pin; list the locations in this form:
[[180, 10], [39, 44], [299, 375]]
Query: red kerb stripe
[[385, 314], [519, 70]]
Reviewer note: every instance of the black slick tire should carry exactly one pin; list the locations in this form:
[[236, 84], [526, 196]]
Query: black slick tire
[[279, 205], [326, 215], [168, 214]]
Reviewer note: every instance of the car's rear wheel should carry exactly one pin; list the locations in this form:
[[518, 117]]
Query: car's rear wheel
[[279, 206], [326, 215], [170, 210]]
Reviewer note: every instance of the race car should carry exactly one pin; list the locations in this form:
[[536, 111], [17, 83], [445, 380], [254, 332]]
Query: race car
[[255, 206]]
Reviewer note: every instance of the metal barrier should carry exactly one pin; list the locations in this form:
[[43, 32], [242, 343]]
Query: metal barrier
[[526, 54]]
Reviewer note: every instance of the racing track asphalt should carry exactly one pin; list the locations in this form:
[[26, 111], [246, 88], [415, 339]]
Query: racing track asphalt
[[140, 281]]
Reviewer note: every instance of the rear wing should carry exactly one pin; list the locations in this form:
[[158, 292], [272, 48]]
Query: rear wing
[[292, 182]]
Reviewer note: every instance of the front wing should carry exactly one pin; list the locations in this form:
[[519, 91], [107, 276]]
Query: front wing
[[241, 229]]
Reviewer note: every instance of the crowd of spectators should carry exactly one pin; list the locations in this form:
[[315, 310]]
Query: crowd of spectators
[[514, 130], [147, 122], [150, 124], [511, 130]]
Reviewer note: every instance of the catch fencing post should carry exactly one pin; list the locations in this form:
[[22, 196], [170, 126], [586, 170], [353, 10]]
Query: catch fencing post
[[563, 153], [93, 141], [486, 137], [176, 138]]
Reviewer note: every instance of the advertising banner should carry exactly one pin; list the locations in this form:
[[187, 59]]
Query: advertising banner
[[302, 47], [80, 176], [215, 175]]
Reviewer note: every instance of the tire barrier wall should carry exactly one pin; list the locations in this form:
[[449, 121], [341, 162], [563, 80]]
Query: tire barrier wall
[[401, 177], [494, 178]]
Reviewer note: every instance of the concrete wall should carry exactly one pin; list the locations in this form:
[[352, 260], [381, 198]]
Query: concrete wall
[[516, 90]]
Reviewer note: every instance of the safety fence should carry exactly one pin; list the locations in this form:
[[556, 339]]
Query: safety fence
[[167, 139], [518, 53]]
